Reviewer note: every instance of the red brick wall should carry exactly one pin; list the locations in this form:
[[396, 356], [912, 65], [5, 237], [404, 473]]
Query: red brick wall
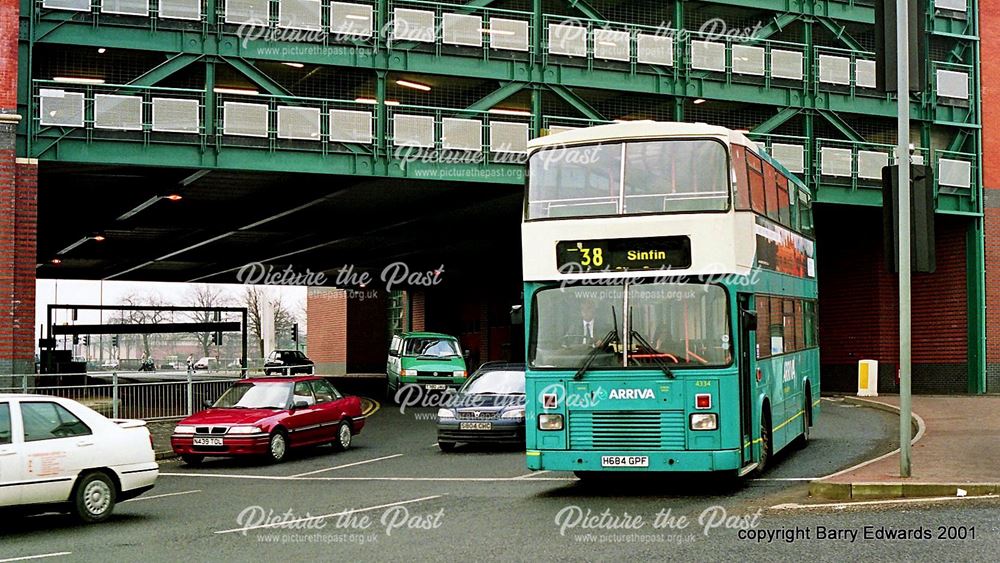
[[18, 221], [9, 10], [418, 310], [989, 33], [326, 321]]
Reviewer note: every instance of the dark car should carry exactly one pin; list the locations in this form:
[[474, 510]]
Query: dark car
[[266, 416], [488, 409], [287, 362]]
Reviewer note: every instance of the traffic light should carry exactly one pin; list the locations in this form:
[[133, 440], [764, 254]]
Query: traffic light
[[922, 257], [217, 338], [76, 339], [295, 333], [114, 341], [86, 340]]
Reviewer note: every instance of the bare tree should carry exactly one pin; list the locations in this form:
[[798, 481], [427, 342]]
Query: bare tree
[[149, 316], [205, 296], [254, 299]]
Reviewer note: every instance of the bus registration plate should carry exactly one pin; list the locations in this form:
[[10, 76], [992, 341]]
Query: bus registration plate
[[624, 461]]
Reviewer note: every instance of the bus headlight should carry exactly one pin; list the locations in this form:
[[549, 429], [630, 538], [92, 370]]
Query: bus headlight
[[550, 422], [704, 421]]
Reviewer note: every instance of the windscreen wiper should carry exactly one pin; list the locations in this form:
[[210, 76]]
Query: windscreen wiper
[[611, 337], [650, 348]]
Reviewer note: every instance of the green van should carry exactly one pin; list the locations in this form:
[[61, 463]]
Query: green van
[[431, 360]]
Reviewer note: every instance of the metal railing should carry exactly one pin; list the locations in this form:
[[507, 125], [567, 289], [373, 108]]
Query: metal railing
[[127, 395]]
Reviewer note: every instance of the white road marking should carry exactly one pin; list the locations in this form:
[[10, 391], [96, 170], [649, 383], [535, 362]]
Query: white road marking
[[785, 479], [428, 479], [151, 497], [793, 506], [331, 515], [346, 465], [921, 427], [44, 555], [434, 445], [532, 474]]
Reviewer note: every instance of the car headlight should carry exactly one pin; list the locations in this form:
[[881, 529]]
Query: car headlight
[[550, 422], [516, 413], [410, 372], [446, 413], [243, 430], [704, 421], [184, 430], [460, 373]]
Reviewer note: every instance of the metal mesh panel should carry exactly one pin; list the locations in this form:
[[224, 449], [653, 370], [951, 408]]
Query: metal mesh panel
[[748, 60], [77, 5], [559, 129], [654, 49], [706, 55], [791, 157], [247, 120], [125, 7], [351, 19], [954, 173], [864, 73], [786, 64], [953, 5], [300, 14], [61, 108], [567, 39], [612, 45], [247, 11], [511, 35], [298, 123], [834, 70], [836, 162], [412, 130], [180, 9], [117, 112], [172, 115], [461, 134], [951, 84], [461, 29], [413, 25], [508, 137], [350, 126], [870, 164]]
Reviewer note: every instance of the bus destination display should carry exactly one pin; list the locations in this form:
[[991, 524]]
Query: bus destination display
[[658, 253]]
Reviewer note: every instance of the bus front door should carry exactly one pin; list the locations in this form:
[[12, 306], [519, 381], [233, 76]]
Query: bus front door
[[747, 357]]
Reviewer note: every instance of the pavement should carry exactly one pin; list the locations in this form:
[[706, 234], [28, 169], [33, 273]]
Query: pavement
[[953, 453]]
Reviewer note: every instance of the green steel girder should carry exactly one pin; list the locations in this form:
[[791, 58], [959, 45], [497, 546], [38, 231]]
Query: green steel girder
[[242, 158], [500, 70], [586, 9], [500, 94], [961, 136], [840, 32], [577, 102], [776, 25], [776, 120], [839, 10], [842, 126], [165, 69], [258, 77]]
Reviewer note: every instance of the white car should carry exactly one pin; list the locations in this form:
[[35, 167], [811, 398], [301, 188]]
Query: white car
[[207, 363], [57, 453]]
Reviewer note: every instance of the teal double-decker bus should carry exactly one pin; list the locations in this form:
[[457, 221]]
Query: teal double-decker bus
[[670, 301]]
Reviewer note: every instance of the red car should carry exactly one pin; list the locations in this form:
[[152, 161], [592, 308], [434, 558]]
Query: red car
[[267, 416]]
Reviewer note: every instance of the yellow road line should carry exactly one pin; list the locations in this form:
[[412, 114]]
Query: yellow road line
[[373, 406]]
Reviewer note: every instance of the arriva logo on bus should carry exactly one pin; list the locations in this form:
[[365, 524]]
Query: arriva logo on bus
[[631, 394]]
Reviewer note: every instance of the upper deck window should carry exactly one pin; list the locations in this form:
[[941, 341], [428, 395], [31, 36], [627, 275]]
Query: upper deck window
[[629, 178]]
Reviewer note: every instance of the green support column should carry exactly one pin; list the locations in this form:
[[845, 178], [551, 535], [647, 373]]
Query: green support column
[[536, 111], [210, 100], [536, 31], [976, 289], [381, 116]]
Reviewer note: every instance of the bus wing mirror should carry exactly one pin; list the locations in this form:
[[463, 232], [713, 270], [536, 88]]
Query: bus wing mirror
[[749, 320], [517, 315]]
